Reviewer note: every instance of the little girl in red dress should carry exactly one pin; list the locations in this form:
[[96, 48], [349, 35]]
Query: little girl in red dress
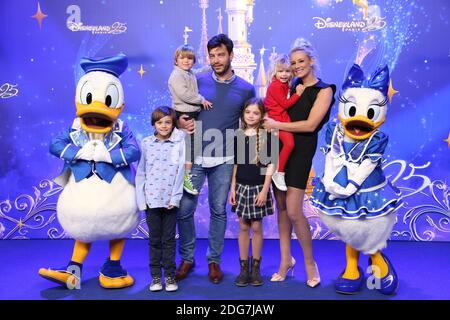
[[277, 103]]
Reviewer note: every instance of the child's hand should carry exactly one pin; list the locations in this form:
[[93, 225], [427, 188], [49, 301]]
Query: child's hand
[[233, 197], [171, 207], [261, 199], [186, 125], [207, 105], [299, 89]]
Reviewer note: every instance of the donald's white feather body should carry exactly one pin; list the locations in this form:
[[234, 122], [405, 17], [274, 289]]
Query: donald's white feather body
[[92, 209]]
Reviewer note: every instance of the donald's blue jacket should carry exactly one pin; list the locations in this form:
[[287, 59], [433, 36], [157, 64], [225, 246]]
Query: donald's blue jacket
[[120, 143]]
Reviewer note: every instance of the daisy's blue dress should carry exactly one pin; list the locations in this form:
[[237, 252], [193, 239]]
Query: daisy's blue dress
[[364, 219]]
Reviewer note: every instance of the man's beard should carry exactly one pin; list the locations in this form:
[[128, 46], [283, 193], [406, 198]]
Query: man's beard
[[226, 68]]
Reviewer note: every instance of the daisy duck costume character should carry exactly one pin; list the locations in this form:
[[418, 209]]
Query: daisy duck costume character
[[98, 199], [354, 199]]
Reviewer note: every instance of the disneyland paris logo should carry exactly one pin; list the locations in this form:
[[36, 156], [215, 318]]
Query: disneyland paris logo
[[372, 24], [371, 20], [74, 23]]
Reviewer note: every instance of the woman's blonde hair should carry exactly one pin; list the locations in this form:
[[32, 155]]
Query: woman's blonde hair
[[185, 50], [301, 44], [278, 60]]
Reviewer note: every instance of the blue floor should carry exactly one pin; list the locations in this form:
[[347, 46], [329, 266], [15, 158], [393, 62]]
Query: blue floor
[[423, 269]]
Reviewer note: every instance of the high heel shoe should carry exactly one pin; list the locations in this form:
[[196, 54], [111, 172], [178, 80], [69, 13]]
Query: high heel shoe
[[276, 277], [314, 282]]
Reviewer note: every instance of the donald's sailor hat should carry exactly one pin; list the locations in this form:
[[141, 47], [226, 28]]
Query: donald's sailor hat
[[115, 65]]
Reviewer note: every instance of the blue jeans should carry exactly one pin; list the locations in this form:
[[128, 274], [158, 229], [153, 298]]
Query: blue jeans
[[219, 182]]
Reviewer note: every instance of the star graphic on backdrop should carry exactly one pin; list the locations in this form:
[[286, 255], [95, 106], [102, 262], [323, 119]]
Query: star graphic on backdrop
[[448, 140], [39, 16], [141, 71], [391, 91], [262, 50]]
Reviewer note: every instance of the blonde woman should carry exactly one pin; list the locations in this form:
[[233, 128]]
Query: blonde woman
[[307, 115]]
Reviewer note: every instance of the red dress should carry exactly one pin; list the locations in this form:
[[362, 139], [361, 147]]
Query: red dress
[[277, 104]]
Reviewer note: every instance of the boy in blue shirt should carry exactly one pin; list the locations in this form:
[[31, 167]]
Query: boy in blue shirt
[[159, 187]]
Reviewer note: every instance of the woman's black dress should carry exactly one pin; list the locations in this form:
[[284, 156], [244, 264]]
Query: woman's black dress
[[300, 161]]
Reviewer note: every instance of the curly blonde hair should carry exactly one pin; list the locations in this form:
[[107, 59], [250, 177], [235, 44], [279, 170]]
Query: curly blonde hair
[[278, 60]]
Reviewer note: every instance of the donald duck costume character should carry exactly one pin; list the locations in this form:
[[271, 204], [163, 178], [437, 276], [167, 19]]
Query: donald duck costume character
[[98, 199], [354, 199]]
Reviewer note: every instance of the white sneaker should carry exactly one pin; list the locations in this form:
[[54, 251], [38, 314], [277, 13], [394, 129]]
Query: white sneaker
[[171, 284], [278, 179], [156, 284]]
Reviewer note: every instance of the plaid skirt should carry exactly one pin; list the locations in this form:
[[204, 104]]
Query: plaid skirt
[[245, 198]]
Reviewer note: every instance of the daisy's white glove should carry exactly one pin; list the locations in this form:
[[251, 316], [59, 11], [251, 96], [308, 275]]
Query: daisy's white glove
[[341, 193]]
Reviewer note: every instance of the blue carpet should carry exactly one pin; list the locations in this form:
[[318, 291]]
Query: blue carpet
[[422, 268]]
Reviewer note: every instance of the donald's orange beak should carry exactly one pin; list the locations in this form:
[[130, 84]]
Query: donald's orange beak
[[97, 117]]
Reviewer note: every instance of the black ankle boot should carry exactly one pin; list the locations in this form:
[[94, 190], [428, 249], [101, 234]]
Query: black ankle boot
[[255, 277], [243, 277]]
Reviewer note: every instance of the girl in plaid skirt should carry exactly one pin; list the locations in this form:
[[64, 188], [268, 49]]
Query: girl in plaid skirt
[[250, 193]]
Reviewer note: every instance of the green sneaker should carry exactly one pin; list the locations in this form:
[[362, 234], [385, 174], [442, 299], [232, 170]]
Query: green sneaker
[[187, 185]]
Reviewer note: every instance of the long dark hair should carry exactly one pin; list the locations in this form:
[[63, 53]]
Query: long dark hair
[[262, 109]]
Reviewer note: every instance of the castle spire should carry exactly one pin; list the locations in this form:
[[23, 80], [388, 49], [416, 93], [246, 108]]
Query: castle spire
[[186, 35], [273, 54], [220, 18], [261, 80], [202, 53], [240, 16]]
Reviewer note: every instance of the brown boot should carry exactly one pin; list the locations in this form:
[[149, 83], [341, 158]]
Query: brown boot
[[183, 270], [244, 276], [215, 274], [255, 276]]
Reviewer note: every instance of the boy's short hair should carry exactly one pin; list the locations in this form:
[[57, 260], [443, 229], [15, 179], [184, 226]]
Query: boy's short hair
[[185, 50], [218, 40], [163, 111]]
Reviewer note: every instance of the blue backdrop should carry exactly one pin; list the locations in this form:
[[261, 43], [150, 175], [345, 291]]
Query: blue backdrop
[[42, 43]]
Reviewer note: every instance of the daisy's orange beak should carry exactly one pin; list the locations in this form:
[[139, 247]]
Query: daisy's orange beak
[[359, 127]]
